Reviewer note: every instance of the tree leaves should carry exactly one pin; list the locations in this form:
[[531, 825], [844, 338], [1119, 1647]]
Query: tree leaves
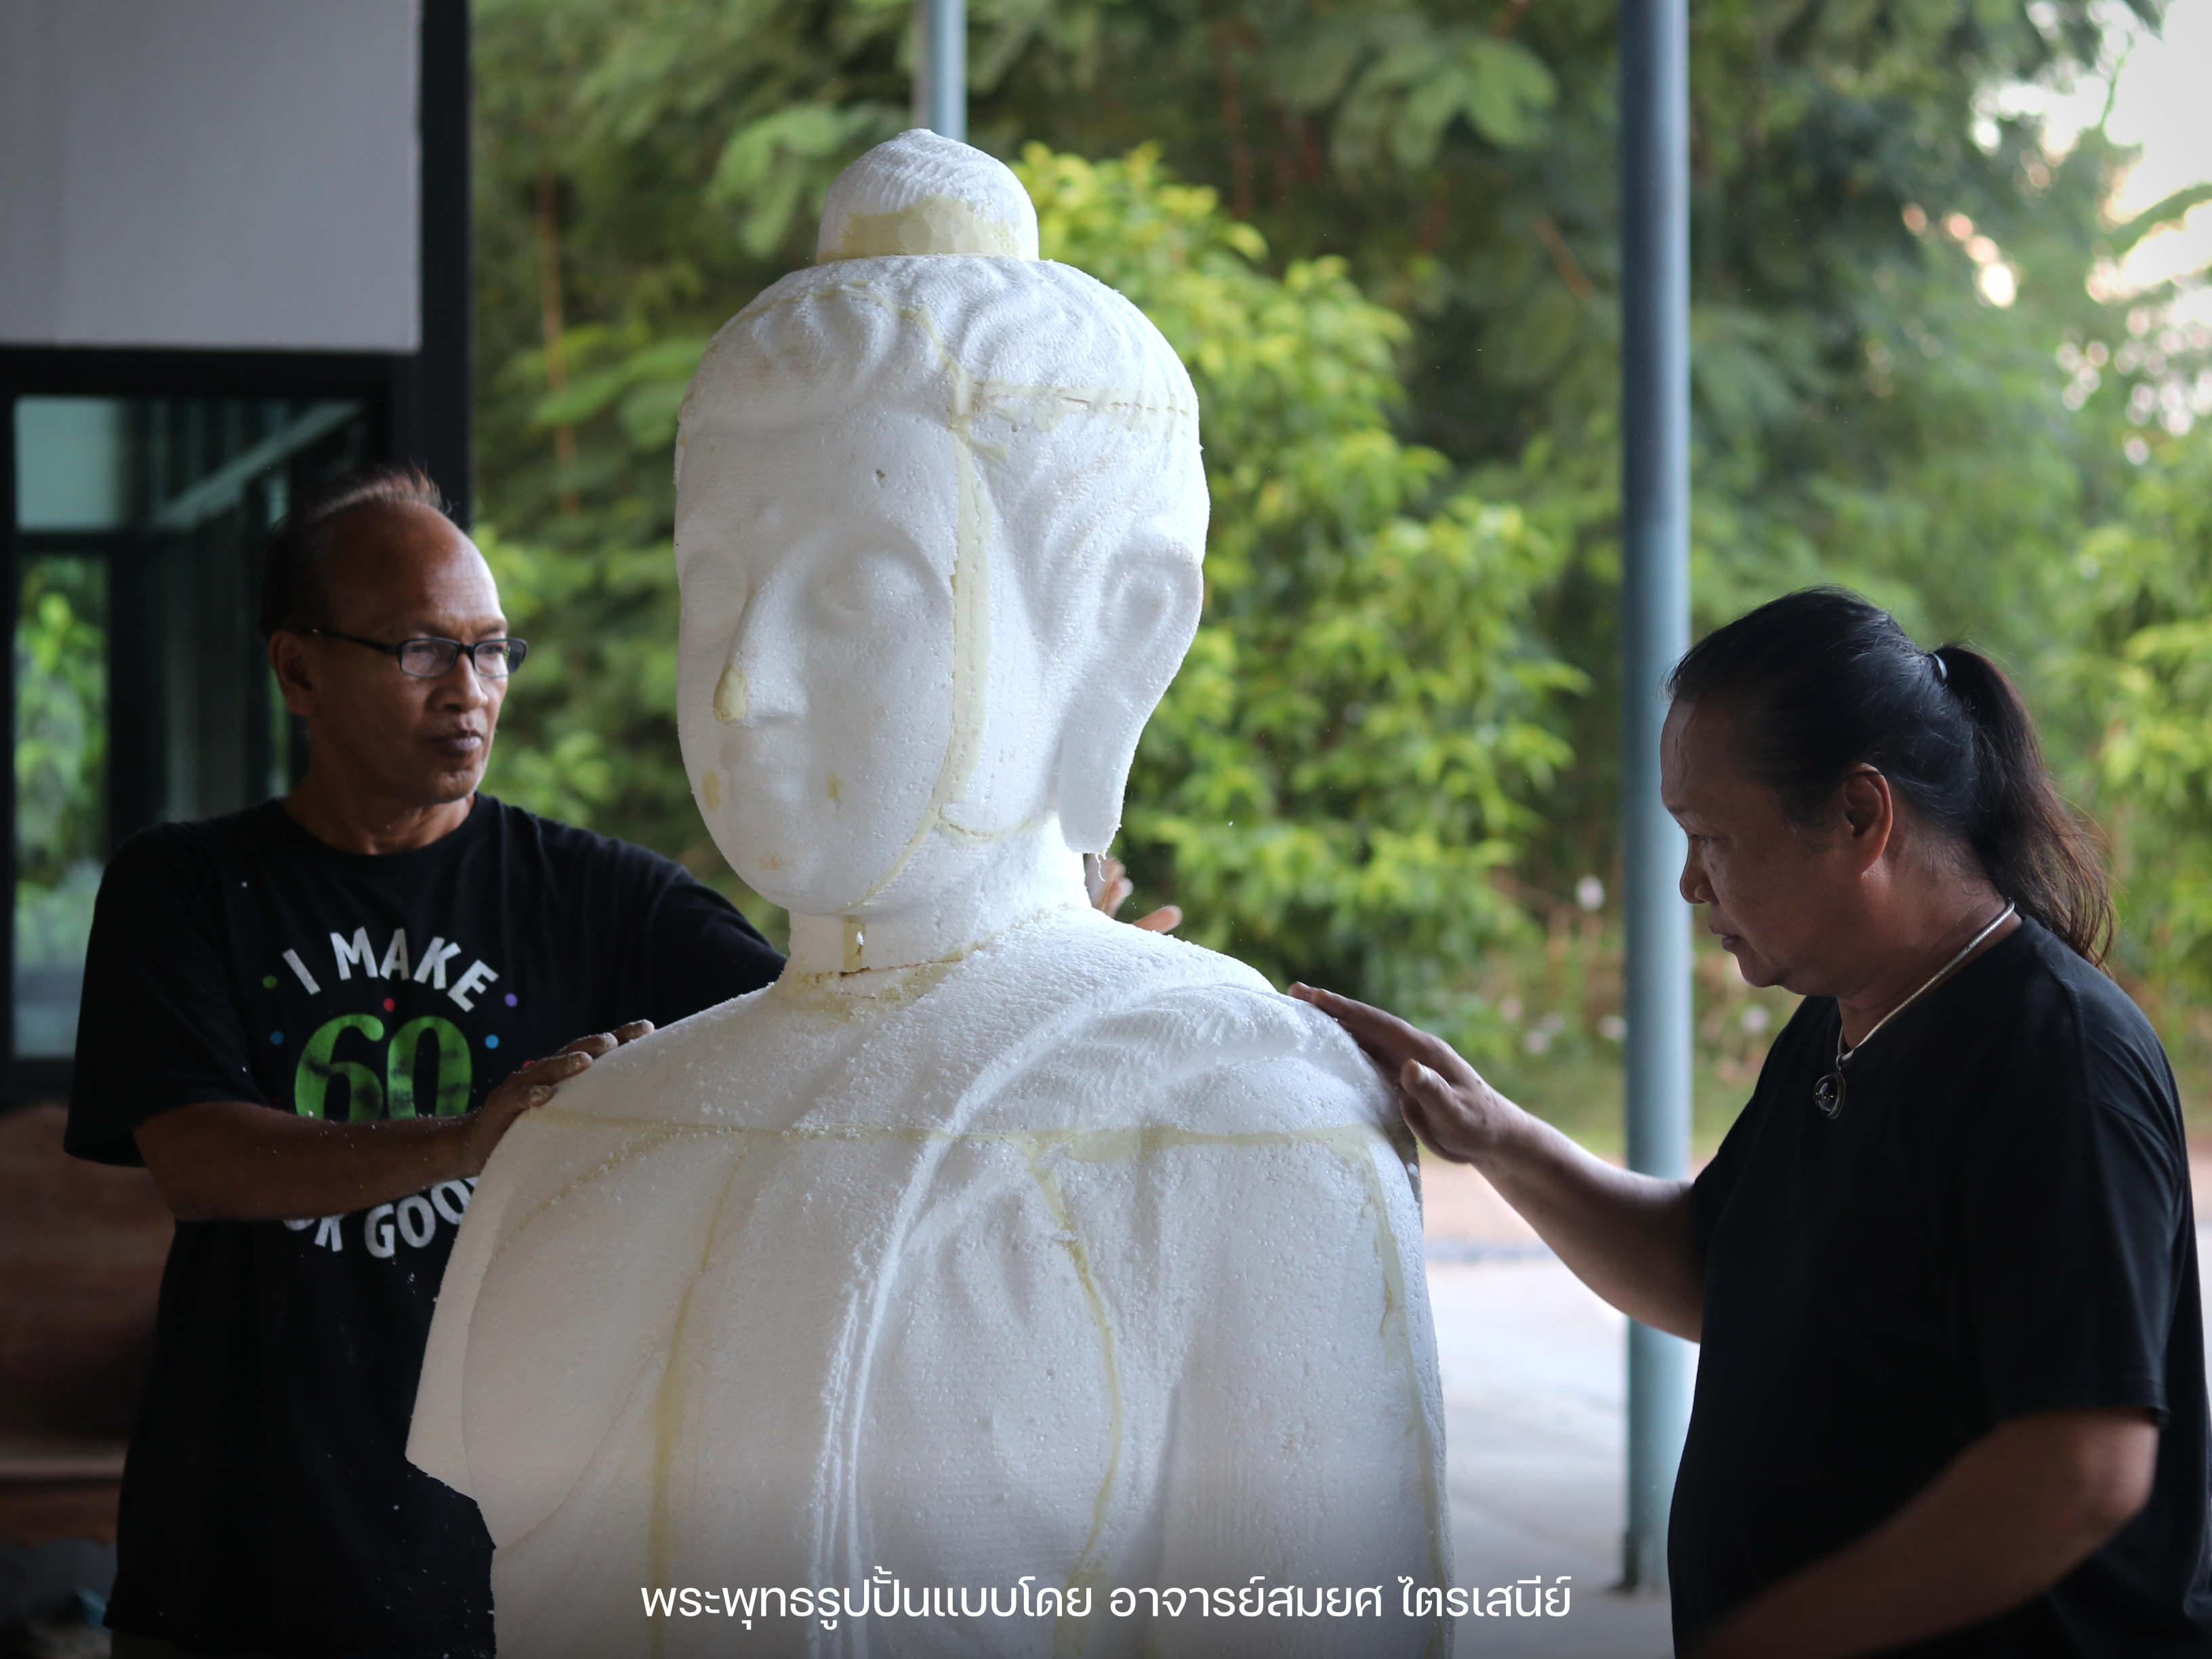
[[1403, 82], [1406, 338], [786, 160], [1347, 755], [2169, 210], [2143, 668]]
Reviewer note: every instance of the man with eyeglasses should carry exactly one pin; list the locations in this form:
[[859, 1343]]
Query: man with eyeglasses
[[306, 1019]]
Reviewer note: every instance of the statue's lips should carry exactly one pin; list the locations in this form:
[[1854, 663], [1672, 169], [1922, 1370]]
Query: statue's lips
[[785, 763], [765, 786], [787, 806]]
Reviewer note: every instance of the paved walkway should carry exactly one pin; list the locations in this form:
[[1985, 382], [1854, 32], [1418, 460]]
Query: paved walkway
[[1535, 1383]]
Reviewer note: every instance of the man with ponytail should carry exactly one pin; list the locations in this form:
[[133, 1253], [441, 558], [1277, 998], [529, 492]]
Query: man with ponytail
[[1951, 1395]]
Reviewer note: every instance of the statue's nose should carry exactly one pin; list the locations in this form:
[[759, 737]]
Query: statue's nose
[[730, 693], [735, 685], [756, 681]]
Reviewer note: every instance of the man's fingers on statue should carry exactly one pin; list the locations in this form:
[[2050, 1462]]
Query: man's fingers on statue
[[598, 1043], [1369, 1033], [1453, 1119], [633, 1032], [1423, 1084], [1384, 1035], [537, 1080], [1109, 882], [1429, 1104], [1165, 919], [1343, 1010], [1415, 1103]]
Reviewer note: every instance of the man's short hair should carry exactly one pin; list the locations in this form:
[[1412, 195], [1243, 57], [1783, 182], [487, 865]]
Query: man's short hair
[[295, 589]]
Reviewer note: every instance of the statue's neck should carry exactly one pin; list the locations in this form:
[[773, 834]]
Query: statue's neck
[[1026, 875]]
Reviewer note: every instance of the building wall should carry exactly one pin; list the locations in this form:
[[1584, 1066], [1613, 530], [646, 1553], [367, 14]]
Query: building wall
[[220, 174]]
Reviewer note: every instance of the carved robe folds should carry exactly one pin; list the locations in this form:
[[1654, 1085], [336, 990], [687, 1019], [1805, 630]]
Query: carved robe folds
[[1086, 1257]]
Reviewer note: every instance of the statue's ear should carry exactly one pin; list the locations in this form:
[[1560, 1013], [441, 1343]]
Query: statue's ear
[[1147, 614]]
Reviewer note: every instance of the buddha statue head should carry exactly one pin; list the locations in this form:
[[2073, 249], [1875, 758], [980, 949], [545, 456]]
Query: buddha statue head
[[939, 520]]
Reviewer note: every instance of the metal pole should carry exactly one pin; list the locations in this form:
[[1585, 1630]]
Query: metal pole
[[1655, 628], [940, 84]]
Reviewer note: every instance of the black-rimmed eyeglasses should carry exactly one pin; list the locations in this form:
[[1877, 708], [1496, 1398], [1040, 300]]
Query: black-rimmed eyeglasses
[[432, 659]]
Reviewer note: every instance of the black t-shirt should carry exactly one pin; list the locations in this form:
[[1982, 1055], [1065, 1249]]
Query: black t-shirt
[[268, 1505], [1997, 1223]]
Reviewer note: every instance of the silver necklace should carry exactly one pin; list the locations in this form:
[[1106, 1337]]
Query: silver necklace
[[1828, 1092]]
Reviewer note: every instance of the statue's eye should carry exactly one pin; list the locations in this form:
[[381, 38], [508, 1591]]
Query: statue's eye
[[872, 586]]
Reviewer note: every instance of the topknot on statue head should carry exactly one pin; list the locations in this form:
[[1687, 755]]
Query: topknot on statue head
[[929, 297], [922, 193]]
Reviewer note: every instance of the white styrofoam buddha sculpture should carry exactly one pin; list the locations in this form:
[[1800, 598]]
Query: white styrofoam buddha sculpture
[[997, 1245]]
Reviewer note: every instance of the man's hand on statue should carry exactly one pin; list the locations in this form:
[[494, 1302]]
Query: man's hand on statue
[[1456, 1114], [1116, 893], [1628, 1236], [235, 1160], [536, 1082]]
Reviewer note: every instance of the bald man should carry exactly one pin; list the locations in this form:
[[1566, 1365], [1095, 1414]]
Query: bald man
[[309, 1020]]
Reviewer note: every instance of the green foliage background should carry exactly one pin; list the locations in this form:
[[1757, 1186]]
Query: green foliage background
[[61, 741], [1383, 239]]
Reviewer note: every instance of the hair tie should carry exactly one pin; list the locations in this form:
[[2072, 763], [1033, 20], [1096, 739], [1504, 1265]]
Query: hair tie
[[1942, 674]]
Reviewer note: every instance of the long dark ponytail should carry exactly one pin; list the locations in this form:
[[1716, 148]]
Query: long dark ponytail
[[1821, 681]]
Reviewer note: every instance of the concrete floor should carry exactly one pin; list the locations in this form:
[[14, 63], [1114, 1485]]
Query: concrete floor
[[1534, 1384], [1534, 1394]]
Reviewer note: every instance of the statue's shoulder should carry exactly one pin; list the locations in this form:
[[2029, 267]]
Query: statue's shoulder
[[1164, 1030], [659, 1076]]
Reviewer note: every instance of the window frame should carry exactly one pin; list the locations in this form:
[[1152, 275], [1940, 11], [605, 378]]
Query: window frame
[[385, 386]]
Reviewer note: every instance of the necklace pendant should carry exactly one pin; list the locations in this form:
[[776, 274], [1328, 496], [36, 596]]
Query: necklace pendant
[[1828, 1093]]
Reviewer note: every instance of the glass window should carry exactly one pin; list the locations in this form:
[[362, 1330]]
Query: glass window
[[141, 692], [61, 789], [70, 467]]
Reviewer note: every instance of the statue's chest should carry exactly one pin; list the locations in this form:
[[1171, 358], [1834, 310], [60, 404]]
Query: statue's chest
[[905, 1327]]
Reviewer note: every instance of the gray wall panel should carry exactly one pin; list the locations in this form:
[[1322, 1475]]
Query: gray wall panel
[[235, 173]]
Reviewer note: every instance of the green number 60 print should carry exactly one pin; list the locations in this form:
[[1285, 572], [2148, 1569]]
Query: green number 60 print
[[366, 1093]]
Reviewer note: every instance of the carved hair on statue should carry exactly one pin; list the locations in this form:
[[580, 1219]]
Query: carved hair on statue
[[1073, 406], [1821, 681], [293, 590]]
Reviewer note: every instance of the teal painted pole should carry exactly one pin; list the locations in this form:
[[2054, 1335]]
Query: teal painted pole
[[1655, 630], [940, 100]]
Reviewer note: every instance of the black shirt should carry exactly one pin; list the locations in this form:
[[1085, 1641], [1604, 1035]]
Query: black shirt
[[268, 1505], [1997, 1222]]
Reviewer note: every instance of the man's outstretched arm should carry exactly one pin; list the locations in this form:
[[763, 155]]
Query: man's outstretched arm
[[231, 1160]]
